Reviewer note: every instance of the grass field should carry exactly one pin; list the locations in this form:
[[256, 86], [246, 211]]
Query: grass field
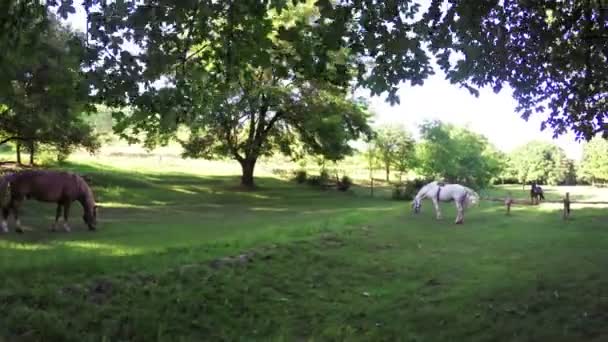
[[182, 254]]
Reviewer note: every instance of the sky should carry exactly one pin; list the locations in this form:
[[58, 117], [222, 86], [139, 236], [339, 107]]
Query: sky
[[490, 114]]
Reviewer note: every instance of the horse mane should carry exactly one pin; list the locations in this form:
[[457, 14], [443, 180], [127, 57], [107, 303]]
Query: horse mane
[[86, 191], [470, 192]]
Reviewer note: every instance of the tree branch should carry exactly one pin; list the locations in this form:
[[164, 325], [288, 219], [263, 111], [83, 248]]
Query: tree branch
[[2, 142], [188, 41]]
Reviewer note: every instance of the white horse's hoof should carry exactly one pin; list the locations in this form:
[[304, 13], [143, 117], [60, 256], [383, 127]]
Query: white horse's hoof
[[66, 228]]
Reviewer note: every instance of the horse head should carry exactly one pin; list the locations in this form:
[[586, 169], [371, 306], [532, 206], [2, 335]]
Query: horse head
[[88, 203], [416, 204], [90, 217]]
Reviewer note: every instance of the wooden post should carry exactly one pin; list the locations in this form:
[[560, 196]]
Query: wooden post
[[372, 187], [566, 206], [508, 202]]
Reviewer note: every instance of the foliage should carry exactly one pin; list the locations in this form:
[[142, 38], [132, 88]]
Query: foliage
[[553, 54], [344, 183], [320, 180], [539, 161], [242, 90], [563, 71], [300, 176], [371, 155], [395, 148], [594, 164], [407, 190], [48, 94], [457, 155]]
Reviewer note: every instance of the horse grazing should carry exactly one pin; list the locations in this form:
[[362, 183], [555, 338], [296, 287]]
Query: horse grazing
[[436, 191], [59, 187], [536, 194]]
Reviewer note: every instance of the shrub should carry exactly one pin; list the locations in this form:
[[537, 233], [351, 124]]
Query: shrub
[[345, 183], [314, 180], [320, 181], [324, 177], [407, 190], [300, 176]]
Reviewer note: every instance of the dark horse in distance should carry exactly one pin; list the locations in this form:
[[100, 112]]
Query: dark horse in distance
[[536, 194], [58, 187]]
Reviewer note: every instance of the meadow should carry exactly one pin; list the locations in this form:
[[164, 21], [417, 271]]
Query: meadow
[[183, 254]]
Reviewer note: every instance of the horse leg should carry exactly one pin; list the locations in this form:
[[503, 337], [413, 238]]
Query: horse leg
[[459, 209], [57, 214], [437, 210], [66, 214], [5, 213]]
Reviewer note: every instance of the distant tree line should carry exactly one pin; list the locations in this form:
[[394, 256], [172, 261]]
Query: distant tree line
[[457, 154]]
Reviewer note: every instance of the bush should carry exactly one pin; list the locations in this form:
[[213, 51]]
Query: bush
[[324, 177], [314, 181], [300, 176], [345, 183], [321, 180], [282, 173], [407, 191]]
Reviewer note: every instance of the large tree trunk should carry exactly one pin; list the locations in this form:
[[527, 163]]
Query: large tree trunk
[[32, 152], [388, 172], [248, 165], [18, 153]]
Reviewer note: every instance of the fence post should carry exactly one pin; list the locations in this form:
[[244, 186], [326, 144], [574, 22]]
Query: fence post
[[372, 187], [508, 202], [566, 206]]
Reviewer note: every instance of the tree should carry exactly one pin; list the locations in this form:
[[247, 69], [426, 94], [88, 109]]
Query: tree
[[47, 95], [395, 147], [594, 163], [405, 155], [553, 54], [457, 154], [249, 96], [539, 161]]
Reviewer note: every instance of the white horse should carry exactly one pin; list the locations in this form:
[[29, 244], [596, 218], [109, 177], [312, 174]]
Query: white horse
[[461, 195]]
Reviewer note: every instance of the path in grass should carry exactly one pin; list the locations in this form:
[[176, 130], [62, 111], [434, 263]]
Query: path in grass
[[325, 265]]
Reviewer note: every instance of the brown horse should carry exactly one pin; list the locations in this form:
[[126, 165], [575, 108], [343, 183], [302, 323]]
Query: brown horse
[[47, 186]]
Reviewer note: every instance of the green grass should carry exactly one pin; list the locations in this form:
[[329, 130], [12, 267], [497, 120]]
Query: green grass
[[314, 265]]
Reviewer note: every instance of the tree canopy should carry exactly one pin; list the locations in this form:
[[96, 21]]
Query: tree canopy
[[553, 54], [594, 164], [178, 62], [244, 97], [395, 149], [45, 93], [457, 154], [539, 161]]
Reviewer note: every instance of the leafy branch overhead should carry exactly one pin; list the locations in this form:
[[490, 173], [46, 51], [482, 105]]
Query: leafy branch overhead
[[553, 54]]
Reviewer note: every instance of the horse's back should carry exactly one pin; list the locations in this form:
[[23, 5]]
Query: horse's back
[[46, 186]]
